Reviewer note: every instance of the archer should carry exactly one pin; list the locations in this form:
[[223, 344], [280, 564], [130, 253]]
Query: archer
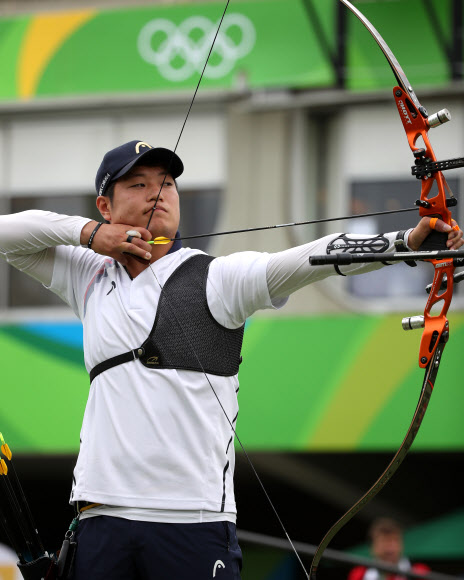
[[163, 328]]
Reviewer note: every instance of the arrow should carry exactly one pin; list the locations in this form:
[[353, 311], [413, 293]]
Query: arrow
[[163, 240]]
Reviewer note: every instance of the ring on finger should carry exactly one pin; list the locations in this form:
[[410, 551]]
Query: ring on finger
[[129, 239]]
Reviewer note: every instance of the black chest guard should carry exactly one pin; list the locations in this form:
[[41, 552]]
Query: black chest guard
[[185, 335]]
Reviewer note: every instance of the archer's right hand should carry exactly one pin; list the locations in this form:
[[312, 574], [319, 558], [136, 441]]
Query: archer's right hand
[[118, 240]]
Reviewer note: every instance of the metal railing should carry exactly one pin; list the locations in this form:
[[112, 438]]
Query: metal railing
[[336, 556]]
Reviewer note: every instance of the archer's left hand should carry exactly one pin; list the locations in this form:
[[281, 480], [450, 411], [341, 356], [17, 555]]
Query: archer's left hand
[[423, 229]]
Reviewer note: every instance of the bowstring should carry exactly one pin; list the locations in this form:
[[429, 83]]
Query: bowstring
[[180, 325]]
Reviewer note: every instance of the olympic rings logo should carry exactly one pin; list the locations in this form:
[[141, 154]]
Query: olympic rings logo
[[181, 51]]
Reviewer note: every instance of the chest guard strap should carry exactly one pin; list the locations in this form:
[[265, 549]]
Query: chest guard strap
[[185, 333]]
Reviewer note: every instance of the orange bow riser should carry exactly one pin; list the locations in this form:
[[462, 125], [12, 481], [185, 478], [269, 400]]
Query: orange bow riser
[[416, 124]]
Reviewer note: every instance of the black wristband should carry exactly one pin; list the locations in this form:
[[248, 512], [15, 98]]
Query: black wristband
[[92, 235], [400, 246]]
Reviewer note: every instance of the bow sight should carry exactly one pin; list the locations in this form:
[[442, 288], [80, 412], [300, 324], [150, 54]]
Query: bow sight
[[425, 167]]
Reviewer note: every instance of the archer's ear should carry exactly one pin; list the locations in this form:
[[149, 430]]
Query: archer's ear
[[104, 207]]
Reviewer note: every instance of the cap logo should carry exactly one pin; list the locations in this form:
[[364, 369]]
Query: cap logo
[[142, 144], [103, 183]]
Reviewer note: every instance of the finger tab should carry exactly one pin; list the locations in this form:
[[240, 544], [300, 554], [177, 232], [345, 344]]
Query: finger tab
[[134, 233]]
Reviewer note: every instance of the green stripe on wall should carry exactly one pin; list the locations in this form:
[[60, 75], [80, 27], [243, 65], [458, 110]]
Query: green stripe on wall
[[305, 385], [326, 383]]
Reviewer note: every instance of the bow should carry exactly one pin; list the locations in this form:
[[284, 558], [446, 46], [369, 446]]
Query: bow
[[417, 124]]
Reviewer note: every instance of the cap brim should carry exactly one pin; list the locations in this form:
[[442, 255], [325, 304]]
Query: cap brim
[[167, 158]]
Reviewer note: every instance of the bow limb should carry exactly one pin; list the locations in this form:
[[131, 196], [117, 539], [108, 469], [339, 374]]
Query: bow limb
[[426, 393]]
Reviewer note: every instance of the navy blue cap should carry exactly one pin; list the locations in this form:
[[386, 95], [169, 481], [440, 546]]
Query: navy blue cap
[[120, 160]]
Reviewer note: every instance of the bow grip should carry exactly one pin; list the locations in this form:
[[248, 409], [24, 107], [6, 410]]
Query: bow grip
[[435, 241]]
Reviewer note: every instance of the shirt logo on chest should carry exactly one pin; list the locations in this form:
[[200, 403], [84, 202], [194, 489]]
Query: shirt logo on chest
[[100, 275], [113, 286]]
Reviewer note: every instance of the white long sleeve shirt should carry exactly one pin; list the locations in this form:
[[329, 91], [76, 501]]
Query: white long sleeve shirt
[[154, 442]]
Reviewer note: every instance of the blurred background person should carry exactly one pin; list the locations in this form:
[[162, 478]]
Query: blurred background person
[[386, 544]]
